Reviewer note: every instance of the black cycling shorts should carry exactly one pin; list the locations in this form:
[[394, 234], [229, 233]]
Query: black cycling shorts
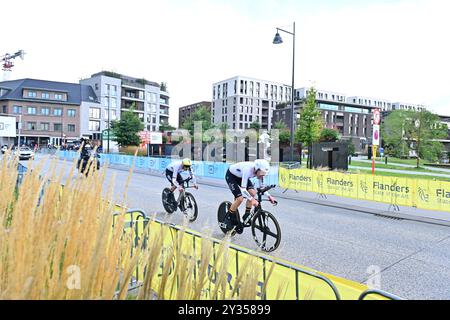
[[234, 183], [169, 176]]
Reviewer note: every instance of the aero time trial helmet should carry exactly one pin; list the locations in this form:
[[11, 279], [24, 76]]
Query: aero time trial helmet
[[187, 162], [263, 165]]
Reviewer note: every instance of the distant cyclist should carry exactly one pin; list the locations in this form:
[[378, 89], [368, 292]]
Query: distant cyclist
[[173, 173], [238, 179]]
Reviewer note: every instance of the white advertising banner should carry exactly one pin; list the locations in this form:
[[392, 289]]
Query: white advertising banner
[[7, 126], [156, 138]]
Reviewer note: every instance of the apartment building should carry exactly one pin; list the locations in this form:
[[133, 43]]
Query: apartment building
[[239, 101], [186, 111], [118, 93], [352, 120], [46, 111]]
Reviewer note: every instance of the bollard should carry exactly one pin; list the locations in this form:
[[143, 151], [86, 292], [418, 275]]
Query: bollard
[[385, 160]]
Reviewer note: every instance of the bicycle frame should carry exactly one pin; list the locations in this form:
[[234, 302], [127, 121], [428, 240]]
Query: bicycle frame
[[257, 208], [182, 193]]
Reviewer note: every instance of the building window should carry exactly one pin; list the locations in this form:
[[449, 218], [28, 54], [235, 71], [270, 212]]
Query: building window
[[45, 95], [31, 110], [106, 101], [57, 112], [57, 127], [94, 125], [71, 127], [94, 113], [45, 111], [5, 109], [58, 96], [113, 103], [31, 126], [71, 113], [108, 89], [45, 126], [31, 94], [17, 109]]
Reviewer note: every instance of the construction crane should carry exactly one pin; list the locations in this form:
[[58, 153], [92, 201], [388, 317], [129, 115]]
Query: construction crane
[[7, 59]]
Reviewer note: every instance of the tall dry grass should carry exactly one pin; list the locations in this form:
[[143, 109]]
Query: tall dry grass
[[60, 243]]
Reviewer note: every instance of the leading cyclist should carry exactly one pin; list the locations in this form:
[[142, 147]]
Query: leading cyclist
[[173, 174], [238, 179]]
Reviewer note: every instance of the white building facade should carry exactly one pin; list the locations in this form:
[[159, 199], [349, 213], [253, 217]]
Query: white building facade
[[240, 101], [118, 93]]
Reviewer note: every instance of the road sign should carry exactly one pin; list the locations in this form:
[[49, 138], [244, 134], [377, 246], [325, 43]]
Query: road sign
[[376, 116], [381, 152], [105, 135], [376, 135]]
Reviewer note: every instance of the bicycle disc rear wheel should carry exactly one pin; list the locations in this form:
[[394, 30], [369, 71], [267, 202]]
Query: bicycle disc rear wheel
[[168, 200], [221, 215], [266, 231]]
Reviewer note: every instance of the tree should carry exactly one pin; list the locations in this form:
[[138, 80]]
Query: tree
[[414, 131], [284, 134], [201, 114], [311, 123], [125, 130], [255, 125], [166, 127], [329, 135], [393, 134]]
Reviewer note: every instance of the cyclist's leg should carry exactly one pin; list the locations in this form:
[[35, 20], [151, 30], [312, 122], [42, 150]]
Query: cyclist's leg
[[234, 185], [248, 204], [169, 175]]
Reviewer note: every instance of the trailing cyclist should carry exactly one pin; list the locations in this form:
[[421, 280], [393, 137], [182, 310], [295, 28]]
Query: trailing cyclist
[[238, 179], [173, 174]]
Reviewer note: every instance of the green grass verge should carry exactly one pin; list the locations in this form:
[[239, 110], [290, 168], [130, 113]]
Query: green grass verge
[[401, 175], [393, 167]]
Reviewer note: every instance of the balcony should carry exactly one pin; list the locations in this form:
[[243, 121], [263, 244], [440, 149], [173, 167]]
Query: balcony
[[131, 94], [138, 106]]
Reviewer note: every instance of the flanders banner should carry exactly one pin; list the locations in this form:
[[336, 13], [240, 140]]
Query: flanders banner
[[420, 193]]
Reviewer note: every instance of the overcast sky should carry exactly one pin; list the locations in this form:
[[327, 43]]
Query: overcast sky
[[397, 50]]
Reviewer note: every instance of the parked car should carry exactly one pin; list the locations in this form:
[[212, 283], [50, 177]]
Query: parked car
[[4, 148], [25, 153]]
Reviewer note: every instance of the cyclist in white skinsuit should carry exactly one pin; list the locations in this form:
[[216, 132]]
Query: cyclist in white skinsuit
[[238, 179], [173, 171]]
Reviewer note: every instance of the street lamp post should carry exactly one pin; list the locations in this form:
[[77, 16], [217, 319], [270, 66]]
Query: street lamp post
[[277, 40]]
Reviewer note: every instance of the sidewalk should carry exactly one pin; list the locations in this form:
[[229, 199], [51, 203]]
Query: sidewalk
[[369, 207]]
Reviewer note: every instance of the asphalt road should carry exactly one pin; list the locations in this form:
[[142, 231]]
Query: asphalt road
[[411, 258]]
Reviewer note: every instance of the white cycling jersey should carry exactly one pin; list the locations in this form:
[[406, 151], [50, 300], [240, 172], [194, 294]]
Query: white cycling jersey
[[177, 167], [246, 170]]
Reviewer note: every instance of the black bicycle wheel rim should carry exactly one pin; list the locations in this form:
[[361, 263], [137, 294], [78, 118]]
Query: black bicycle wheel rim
[[190, 201], [166, 204], [262, 230]]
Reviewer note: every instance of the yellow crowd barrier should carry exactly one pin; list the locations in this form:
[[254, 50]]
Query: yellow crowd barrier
[[295, 282], [420, 193]]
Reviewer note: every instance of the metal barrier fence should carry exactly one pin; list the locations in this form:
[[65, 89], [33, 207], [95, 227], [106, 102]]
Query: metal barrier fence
[[138, 216]]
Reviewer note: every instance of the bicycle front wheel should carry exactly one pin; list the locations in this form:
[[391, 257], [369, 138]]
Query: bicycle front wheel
[[266, 231], [190, 207]]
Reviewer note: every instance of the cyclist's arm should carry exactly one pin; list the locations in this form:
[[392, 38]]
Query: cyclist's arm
[[245, 177], [193, 177]]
